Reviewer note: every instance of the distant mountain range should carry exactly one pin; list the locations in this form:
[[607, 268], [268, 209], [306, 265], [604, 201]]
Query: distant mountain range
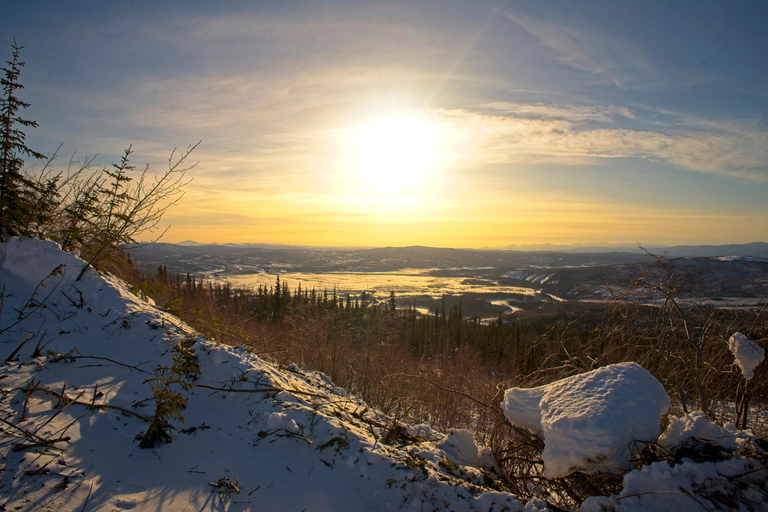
[[754, 249]]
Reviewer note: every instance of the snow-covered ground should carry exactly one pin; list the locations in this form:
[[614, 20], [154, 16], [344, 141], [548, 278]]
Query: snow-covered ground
[[75, 401]]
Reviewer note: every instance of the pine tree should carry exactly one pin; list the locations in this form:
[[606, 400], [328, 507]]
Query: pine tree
[[17, 192], [392, 306]]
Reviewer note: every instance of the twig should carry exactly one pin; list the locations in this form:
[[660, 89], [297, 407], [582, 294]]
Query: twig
[[59, 411], [10, 358], [496, 411], [22, 316], [95, 394], [2, 301], [260, 390], [87, 497], [740, 475], [24, 431], [48, 443], [26, 402], [132, 367]]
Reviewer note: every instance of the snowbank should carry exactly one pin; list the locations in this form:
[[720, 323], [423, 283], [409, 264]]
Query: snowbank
[[589, 420], [748, 354]]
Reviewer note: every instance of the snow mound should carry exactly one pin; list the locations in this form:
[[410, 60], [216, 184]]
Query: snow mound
[[696, 425], [588, 420], [33, 260], [461, 448], [748, 354]]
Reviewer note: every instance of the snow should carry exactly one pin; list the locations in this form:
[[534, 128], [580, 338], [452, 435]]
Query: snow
[[461, 448], [589, 420], [696, 425], [286, 439], [660, 487], [748, 354], [258, 436]]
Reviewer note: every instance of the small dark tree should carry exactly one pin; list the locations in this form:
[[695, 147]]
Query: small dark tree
[[392, 305], [18, 193]]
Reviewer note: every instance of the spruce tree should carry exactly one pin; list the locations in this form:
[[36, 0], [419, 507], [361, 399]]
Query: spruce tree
[[17, 192]]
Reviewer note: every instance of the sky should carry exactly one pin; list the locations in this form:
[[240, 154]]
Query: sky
[[445, 123]]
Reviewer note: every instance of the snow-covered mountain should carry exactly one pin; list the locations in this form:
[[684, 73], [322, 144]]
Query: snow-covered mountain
[[76, 400]]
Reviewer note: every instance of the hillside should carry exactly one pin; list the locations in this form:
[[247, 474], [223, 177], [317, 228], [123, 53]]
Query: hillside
[[255, 436]]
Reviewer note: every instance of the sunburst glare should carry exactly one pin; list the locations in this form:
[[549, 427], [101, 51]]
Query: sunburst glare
[[395, 152]]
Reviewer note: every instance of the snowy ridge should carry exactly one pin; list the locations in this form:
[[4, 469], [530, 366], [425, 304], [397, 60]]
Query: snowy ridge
[[256, 436]]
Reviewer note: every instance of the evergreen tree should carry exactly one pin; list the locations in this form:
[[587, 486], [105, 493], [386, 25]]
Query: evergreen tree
[[392, 305], [17, 192]]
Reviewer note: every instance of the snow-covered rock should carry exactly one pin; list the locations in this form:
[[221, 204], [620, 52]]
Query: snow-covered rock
[[589, 420], [747, 353]]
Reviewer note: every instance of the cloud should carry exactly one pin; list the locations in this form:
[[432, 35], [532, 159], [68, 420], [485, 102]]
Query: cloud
[[575, 113], [527, 134], [592, 50]]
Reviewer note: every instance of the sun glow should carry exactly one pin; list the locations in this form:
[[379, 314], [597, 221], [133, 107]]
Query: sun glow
[[395, 153]]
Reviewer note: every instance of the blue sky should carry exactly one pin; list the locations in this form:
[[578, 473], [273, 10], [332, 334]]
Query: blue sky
[[563, 122]]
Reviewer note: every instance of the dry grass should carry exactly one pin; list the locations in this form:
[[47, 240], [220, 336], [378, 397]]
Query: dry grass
[[458, 386]]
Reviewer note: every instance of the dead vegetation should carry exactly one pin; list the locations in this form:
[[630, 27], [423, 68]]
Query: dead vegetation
[[450, 372]]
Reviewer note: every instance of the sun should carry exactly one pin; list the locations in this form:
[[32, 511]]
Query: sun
[[396, 152]]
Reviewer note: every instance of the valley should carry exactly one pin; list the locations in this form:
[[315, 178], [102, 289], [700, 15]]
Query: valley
[[487, 283]]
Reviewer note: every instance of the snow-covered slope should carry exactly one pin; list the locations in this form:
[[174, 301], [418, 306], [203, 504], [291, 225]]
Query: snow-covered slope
[[256, 436], [287, 439]]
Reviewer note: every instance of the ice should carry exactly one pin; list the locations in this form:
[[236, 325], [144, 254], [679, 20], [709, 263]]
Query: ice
[[588, 421], [748, 354]]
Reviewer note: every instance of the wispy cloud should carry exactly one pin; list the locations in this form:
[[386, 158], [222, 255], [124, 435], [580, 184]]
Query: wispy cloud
[[575, 113], [528, 134], [593, 50]]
